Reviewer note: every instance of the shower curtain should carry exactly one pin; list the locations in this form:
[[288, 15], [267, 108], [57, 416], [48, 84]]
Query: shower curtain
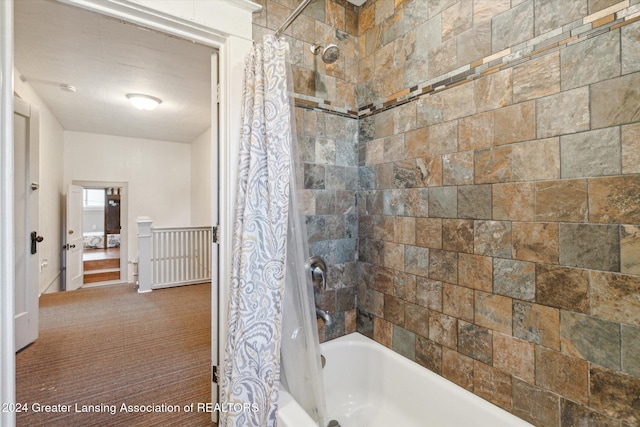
[[266, 256]]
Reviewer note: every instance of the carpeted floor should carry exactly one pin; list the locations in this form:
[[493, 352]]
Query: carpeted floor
[[111, 346]]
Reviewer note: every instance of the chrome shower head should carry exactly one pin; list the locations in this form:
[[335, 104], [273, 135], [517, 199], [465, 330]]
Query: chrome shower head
[[330, 54]]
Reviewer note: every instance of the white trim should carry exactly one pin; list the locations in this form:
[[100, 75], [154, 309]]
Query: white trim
[[152, 18], [7, 274], [228, 163], [214, 163], [199, 227]]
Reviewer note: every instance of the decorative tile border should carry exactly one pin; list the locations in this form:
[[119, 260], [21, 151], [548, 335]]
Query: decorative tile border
[[609, 19], [312, 103]]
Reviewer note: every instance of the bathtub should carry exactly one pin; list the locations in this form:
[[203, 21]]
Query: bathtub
[[368, 385]]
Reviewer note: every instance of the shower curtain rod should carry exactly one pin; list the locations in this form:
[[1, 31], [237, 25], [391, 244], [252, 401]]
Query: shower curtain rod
[[292, 17]]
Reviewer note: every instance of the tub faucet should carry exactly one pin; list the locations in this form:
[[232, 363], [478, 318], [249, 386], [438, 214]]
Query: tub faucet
[[324, 315]]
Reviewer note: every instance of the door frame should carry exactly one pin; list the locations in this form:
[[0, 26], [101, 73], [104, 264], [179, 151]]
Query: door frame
[[124, 220], [225, 26], [7, 267]]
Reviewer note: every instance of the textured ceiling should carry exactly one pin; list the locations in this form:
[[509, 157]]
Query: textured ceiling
[[105, 59]]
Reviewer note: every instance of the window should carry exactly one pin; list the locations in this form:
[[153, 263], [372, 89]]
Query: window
[[93, 198]]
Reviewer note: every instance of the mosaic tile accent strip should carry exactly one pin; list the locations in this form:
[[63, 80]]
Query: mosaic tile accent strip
[[609, 19]]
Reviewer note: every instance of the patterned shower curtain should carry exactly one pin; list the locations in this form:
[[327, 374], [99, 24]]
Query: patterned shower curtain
[[249, 389]]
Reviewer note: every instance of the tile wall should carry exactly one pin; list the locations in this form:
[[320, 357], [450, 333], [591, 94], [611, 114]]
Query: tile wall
[[327, 134], [323, 22], [329, 153], [498, 197], [499, 215]]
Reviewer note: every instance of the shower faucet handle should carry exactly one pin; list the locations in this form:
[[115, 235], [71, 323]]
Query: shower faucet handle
[[318, 268], [323, 279]]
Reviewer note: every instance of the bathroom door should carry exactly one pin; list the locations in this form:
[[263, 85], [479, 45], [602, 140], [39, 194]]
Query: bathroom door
[[25, 197]]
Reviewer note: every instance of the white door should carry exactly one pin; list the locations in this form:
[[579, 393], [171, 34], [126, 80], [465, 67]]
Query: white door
[[74, 270], [25, 156]]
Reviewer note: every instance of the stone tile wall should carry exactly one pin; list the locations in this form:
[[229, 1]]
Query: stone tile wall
[[328, 147], [323, 22], [495, 174], [500, 214], [409, 45], [327, 142]]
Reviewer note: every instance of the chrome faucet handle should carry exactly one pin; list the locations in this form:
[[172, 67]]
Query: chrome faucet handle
[[318, 269], [317, 272]]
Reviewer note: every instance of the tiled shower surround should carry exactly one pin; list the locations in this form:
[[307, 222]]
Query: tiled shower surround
[[327, 143], [492, 155]]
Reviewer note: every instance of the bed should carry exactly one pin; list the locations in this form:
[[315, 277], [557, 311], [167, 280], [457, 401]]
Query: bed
[[95, 240]]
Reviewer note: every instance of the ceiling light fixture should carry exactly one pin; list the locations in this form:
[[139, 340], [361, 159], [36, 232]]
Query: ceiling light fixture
[[143, 102]]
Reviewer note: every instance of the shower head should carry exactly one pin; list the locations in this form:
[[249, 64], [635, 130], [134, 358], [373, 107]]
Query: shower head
[[330, 54]]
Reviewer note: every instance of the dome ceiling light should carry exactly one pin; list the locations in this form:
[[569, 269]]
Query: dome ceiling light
[[144, 102]]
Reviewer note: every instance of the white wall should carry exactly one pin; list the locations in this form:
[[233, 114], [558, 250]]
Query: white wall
[[158, 174], [201, 179], [92, 220], [51, 188]]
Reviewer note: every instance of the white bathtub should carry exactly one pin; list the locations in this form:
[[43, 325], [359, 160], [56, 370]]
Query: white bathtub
[[368, 385]]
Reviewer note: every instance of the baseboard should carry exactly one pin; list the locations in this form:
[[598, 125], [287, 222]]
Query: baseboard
[[56, 278]]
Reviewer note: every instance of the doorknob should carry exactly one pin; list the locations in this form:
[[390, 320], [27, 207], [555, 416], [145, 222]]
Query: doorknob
[[35, 239]]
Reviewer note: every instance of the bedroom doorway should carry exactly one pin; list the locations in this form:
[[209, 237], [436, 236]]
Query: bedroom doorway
[[101, 233], [104, 233]]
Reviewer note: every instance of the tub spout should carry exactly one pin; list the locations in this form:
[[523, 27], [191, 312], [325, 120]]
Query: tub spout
[[324, 316]]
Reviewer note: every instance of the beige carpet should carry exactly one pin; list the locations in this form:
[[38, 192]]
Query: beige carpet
[[111, 346]]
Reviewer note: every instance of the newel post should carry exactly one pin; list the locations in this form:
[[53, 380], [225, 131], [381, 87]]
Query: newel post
[[144, 253]]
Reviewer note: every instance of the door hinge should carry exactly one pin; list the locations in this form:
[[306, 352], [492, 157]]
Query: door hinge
[[214, 233], [218, 93], [214, 374]]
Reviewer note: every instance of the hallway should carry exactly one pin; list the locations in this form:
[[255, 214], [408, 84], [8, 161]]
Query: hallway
[[110, 346]]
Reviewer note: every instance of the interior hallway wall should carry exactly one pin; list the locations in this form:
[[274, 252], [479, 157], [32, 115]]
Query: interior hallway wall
[[51, 187], [201, 170], [158, 174]]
